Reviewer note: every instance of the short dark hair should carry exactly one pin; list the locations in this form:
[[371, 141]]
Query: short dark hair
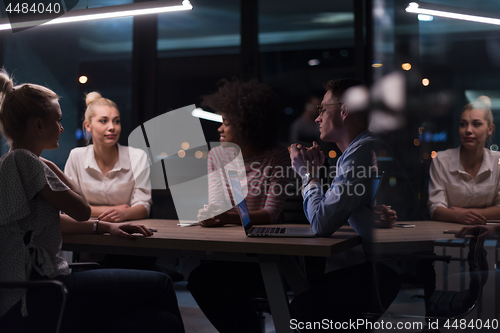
[[252, 109], [339, 86]]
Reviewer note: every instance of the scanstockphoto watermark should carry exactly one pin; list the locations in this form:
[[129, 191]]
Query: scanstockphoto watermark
[[295, 188], [287, 172], [280, 180], [364, 324]]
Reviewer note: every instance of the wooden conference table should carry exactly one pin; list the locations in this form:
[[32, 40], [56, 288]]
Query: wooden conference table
[[420, 238], [273, 254], [227, 243]]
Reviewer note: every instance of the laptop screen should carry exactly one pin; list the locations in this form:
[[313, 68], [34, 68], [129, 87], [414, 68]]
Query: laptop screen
[[376, 184], [238, 197]]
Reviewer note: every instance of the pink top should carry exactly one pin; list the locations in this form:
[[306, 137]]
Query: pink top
[[267, 175]]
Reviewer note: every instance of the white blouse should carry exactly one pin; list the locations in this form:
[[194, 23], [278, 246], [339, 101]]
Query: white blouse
[[127, 183], [451, 186]]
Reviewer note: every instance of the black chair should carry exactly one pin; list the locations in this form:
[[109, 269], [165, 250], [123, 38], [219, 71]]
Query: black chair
[[444, 305], [46, 284], [456, 304], [55, 285]]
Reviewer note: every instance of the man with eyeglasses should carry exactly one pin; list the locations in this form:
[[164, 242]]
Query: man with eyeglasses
[[350, 196], [366, 288]]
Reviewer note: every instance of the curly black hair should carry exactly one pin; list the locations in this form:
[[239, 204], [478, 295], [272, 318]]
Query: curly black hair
[[251, 108]]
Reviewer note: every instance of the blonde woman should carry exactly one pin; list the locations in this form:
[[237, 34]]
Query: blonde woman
[[33, 192], [113, 178], [464, 185]]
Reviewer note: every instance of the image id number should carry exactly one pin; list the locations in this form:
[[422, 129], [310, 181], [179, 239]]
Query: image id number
[[36, 8]]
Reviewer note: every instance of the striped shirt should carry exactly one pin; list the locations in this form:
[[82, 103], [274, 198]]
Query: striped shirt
[[266, 175]]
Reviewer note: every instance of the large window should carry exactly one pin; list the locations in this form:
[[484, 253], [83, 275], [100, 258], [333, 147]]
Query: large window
[[57, 56]]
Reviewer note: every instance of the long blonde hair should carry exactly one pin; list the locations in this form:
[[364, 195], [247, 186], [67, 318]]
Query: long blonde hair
[[22, 103]]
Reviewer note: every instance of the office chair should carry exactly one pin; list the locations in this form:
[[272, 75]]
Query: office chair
[[56, 285], [456, 304], [445, 305]]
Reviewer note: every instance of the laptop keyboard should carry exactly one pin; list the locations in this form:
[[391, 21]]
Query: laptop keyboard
[[269, 231]]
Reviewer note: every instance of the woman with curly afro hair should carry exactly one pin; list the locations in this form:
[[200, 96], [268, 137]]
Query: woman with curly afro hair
[[250, 121]]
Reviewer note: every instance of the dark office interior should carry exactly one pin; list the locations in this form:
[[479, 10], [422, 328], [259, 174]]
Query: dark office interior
[[154, 64]]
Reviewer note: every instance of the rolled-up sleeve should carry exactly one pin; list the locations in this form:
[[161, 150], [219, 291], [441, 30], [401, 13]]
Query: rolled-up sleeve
[[437, 193]]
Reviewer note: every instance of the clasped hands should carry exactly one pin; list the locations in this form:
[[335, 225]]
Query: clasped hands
[[310, 159], [306, 159]]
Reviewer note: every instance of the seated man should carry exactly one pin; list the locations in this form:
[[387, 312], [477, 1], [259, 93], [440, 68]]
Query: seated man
[[369, 287]]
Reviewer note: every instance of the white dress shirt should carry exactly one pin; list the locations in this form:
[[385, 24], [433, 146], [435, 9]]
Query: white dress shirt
[[127, 183], [451, 186]]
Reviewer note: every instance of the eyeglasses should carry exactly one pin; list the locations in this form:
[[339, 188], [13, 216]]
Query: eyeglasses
[[321, 110]]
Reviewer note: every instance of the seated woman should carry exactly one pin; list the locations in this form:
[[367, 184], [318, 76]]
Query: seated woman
[[249, 112], [250, 121], [464, 182], [113, 178], [34, 191]]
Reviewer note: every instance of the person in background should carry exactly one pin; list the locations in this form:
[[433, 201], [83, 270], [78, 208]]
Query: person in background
[[250, 118], [304, 129], [34, 191], [465, 181]]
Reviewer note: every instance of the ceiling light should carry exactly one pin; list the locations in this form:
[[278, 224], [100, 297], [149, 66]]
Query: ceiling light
[[414, 7], [313, 62], [426, 18], [406, 66], [99, 13], [83, 79], [200, 113]]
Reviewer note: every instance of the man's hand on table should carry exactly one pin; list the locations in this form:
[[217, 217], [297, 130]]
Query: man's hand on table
[[385, 217], [487, 231]]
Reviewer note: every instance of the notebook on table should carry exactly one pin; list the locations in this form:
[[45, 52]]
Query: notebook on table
[[263, 231]]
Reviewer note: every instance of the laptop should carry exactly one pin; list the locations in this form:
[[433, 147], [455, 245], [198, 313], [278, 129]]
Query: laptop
[[263, 231], [376, 185]]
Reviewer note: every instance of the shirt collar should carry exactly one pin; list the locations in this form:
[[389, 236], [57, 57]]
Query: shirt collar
[[360, 136], [455, 165], [486, 165], [123, 162]]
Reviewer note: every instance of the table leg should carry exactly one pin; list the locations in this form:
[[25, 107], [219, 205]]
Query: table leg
[[276, 293], [294, 275]]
